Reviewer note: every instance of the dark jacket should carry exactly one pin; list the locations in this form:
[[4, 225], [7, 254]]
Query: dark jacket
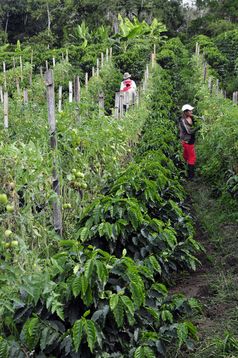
[[187, 131]]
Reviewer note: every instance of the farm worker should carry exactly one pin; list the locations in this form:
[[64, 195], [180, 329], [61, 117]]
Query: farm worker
[[187, 136], [128, 86]]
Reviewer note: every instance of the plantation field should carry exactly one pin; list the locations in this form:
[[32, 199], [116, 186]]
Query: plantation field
[[106, 249]]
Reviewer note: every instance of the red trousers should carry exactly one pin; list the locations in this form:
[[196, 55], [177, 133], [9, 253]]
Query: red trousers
[[189, 153]]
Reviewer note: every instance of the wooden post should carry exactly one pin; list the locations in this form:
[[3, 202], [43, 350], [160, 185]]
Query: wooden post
[[1, 94], [60, 99], [25, 94], [53, 61], [196, 49], [101, 103], [41, 71], [133, 99], [31, 69], [86, 81], [93, 71], [147, 72], [153, 60], [4, 75], [117, 104], [77, 89], [102, 59], [21, 68], [155, 50], [138, 98], [18, 86], [217, 87], [67, 55], [98, 67], [46, 65], [121, 102], [127, 100], [107, 55], [110, 53], [235, 97], [70, 92], [5, 109], [57, 214]]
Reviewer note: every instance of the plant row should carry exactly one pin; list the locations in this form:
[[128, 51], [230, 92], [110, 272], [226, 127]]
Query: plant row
[[101, 295]]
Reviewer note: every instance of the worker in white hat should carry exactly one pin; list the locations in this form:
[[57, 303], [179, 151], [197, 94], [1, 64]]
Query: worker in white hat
[[187, 136], [128, 87]]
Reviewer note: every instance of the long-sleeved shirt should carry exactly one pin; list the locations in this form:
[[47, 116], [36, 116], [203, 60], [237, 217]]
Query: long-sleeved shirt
[[187, 131], [128, 85]]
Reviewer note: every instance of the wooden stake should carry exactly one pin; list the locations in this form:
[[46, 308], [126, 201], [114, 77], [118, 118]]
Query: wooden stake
[[25, 94], [41, 71], [102, 59], [57, 214], [53, 61], [77, 89], [101, 103], [1, 94], [121, 102], [21, 68], [46, 65], [70, 92], [107, 55], [60, 99], [98, 67], [86, 81], [5, 109], [31, 69], [4, 75], [110, 53], [117, 104]]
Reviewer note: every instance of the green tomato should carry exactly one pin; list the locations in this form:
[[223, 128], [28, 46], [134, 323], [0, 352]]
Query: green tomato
[[8, 233], [10, 208], [14, 243], [3, 199], [79, 175], [84, 185]]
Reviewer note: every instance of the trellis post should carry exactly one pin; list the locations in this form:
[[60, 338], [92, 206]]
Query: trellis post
[[5, 109], [60, 99], [70, 92], [57, 213]]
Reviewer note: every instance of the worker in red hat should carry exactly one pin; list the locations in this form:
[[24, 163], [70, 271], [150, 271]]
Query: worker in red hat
[[187, 136]]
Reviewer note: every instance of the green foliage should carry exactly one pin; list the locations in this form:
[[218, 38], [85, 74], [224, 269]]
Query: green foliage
[[99, 295]]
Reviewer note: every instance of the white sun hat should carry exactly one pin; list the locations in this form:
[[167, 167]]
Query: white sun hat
[[187, 107]]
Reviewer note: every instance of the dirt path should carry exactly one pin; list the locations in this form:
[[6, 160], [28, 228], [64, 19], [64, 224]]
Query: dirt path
[[215, 283]]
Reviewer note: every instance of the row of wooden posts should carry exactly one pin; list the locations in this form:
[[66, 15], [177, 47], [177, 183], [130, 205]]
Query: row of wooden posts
[[74, 94], [213, 84], [95, 70], [57, 213], [74, 86]]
